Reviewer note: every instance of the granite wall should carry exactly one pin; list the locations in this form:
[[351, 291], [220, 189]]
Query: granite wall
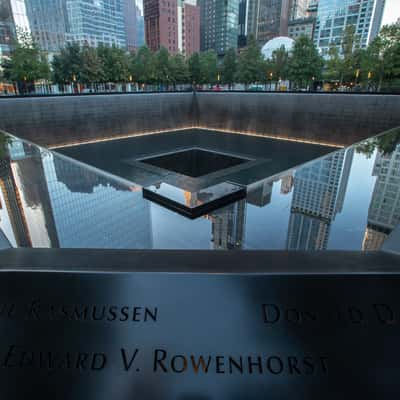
[[338, 119], [70, 119]]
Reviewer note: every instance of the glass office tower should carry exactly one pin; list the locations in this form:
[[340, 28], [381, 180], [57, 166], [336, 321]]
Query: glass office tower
[[219, 25], [13, 19], [49, 24], [335, 15], [96, 22]]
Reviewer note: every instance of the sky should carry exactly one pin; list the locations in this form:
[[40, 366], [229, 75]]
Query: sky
[[391, 12]]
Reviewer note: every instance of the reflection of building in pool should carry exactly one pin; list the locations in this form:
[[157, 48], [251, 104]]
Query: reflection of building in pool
[[287, 184], [93, 211], [384, 209], [227, 223], [228, 226], [318, 195], [25, 194], [260, 195]]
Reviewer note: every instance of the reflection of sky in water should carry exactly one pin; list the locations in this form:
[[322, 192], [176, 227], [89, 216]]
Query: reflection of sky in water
[[322, 205]]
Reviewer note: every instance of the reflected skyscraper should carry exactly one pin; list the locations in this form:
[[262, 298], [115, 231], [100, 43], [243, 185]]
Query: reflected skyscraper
[[92, 211], [384, 209], [25, 195], [318, 195], [228, 226]]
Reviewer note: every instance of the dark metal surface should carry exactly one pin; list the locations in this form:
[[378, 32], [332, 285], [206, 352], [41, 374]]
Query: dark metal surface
[[138, 335]]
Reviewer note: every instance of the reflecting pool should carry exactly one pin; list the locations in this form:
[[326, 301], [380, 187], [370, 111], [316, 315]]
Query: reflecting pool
[[347, 199]]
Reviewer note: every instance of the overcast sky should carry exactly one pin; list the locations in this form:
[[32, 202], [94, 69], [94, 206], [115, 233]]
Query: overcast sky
[[392, 12], [390, 15]]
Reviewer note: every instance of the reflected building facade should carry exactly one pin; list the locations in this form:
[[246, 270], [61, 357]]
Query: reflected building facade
[[384, 210], [318, 195], [92, 212], [228, 225]]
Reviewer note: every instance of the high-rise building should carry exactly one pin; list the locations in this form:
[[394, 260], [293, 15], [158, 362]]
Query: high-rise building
[[49, 23], [298, 9], [272, 20], [335, 15], [242, 36], [219, 25], [318, 195], [188, 27], [130, 22], [96, 22], [140, 41], [13, 21], [384, 209], [301, 27], [161, 24]]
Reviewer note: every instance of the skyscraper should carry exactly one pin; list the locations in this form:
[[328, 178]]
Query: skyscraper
[[272, 20], [140, 41], [130, 24], [96, 22], [298, 9], [13, 20], [335, 15], [49, 23], [161, 24], [219, 25], [188, 27]]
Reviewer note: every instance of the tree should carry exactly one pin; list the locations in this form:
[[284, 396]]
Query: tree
[[162, 67], [229, 67], [208, 67], [195, 68], [305, 63], [26, 64], [142, 66], [115, 63], [381, 59], [91, 67], [67, 65], [279, 63], [178, 69], [250, 64]]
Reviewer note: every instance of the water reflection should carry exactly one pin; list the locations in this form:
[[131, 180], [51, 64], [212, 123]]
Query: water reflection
[[349, 199]]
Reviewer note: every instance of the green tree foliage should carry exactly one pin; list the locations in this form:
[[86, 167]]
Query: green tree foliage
[[26, 64], [229, 67], [115, 63], [91, 67], [381, 60], [142, 66], [208, 67], [305, 63], [250, 64], [195, 68], [162, 67], [279, 64], [178, 69], [67, 65]]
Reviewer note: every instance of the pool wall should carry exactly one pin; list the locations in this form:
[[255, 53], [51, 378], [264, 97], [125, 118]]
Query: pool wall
[[337, 119]]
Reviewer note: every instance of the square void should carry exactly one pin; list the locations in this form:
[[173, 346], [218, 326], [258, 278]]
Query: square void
[[194, 162]]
